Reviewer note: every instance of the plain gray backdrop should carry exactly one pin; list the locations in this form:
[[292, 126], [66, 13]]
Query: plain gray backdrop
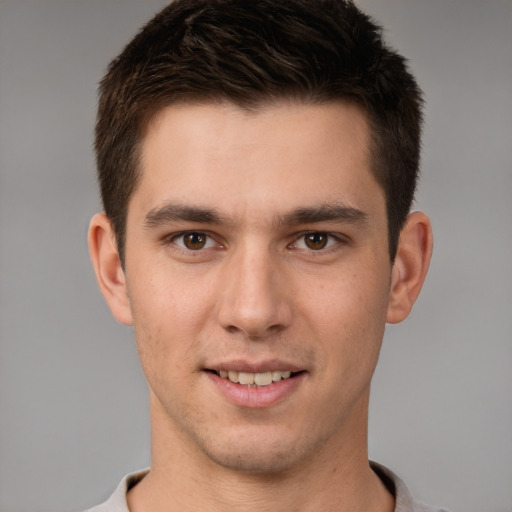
[[73, 400]]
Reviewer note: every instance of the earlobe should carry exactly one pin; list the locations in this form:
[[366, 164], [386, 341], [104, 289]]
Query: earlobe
[[108, 269], [410, 266]]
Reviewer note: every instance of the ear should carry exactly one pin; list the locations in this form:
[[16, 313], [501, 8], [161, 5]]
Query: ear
[[410, 267], [108, 269]]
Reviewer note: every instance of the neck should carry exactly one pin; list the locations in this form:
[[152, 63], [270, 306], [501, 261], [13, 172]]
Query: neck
[[336, 477]]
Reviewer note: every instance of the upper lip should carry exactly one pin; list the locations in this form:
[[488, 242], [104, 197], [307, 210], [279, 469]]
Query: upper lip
[[242, 365]]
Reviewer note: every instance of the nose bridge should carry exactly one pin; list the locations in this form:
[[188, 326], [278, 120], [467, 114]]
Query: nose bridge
[[253, 301]]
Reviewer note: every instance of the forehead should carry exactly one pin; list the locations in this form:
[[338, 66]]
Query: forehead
[[222, 156]]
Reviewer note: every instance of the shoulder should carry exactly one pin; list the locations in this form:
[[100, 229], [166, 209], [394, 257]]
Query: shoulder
[[117, 501], [403, 498]]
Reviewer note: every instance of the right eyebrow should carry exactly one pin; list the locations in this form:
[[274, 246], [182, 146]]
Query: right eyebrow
[[172, 212]]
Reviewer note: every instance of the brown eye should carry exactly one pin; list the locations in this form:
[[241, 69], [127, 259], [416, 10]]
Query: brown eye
[[316, 241], [194, 241]]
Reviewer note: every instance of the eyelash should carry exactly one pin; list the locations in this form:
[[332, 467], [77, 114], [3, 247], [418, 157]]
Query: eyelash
[[332, 241], [172, 239]]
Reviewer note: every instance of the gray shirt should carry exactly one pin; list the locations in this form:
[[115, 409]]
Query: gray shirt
[[403, 499]]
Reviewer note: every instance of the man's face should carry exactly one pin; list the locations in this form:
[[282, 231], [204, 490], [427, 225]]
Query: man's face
[[257, 245]]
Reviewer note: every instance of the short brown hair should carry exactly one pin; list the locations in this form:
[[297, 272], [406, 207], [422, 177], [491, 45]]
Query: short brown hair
[[254, 52]]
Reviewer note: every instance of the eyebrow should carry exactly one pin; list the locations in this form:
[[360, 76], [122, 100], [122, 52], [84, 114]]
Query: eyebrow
[[172, 212], [336, 212]]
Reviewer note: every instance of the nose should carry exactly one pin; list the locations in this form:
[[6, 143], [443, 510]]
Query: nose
[[255, 300]]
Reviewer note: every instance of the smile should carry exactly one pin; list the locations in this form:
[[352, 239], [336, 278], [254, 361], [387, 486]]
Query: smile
[[259, 379], [265, 387]]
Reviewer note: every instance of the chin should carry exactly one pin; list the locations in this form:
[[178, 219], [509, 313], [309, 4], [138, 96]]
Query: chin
[[259, 455], [257, 462]]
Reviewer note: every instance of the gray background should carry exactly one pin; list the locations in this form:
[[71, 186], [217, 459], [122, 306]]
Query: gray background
[[73, 404]]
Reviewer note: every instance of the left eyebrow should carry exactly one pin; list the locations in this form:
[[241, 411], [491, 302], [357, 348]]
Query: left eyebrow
[[323, 213]]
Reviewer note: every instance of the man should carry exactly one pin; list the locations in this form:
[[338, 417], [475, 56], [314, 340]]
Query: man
[[257, 163]]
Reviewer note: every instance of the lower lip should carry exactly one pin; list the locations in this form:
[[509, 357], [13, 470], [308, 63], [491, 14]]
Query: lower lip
[[256, 397]]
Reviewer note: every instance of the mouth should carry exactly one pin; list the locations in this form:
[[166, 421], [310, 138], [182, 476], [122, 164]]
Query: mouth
[[256, 385], [255, 380]]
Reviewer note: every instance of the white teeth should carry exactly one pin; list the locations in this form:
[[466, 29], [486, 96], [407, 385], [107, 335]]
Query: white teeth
[[255, 379], [277, 375], [246, 378], [263, 379], [233, 376]]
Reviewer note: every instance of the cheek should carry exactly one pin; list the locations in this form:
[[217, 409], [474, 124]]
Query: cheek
[[167, 318], [349, 314], [169, 299], [359, 297]]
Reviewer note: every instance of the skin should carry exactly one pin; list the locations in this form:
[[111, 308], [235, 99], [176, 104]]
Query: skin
[[256, 296]]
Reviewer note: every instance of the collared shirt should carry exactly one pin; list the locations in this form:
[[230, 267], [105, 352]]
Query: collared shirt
[[404, 502]]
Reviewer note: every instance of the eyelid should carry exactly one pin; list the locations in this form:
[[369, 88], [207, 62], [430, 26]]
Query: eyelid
[[335, 239], [338, 238], [172, 238]]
